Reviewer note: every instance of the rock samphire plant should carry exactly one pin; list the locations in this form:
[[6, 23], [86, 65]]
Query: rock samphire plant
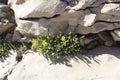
[[56, 46]]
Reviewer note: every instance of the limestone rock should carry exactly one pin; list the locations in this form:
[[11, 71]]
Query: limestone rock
[[7, 65], [111, 9], [37, 9], [101, 63], [96, 28], [82, 4], [89, 20], [7, 19], [108, 18], [4, 1], [57, 26], [106, 37], [28, 28], [116, 34], [117, 31]]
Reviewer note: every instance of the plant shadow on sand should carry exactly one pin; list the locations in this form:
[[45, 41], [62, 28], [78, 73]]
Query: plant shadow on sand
[[89, 56]]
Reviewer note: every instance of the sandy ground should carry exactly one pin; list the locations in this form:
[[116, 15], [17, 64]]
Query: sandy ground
[[101, 63]]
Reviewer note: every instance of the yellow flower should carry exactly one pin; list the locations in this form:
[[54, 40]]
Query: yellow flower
[[63, 38], [34, 43], [44, 43]]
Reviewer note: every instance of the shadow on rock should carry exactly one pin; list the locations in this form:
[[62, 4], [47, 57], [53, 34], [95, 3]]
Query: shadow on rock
[[90, 56]]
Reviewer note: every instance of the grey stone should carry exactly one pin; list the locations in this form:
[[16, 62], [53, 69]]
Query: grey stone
[[111, 9], [116, 34], [7, 19], [7, 65], [89, 20], [82, 4], [106, 37], [108, 18], [38, 8], [30, 29], [99, 64], [4, 1]]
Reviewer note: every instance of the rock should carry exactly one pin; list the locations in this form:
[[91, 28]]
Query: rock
[[82, 4], [57, 26], [38, 8], [90, 41], [111, 9], [4, 1], [101, 63], [89, 20], [7, 65], [106, 37], [116, 34], [7, 19], [96, 28], [30, 29], [108, 18], [113, 1], [102, 26]]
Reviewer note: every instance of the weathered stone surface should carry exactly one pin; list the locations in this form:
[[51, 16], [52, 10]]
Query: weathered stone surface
[[89, 20], [4, 1], [111, 9], [101, 63], [96, 28], [106, 37], [7, 19], [30, 28], [108, 18], [94, 16], [37, 9], [82, 4], [57, 26], [7, 65], [116, 34], [117, 31]]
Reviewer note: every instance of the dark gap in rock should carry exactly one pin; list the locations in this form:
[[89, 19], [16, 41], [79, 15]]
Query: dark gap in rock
[[36, 18], [111, 2], [112, 22], [4, 1]]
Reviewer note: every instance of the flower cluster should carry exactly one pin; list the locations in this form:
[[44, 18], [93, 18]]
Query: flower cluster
[[56, 46]]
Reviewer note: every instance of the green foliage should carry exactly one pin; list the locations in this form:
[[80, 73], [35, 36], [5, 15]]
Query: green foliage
[[56, 46], [5, 46]]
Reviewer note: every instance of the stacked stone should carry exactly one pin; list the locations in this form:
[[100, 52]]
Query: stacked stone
[[80, 16]]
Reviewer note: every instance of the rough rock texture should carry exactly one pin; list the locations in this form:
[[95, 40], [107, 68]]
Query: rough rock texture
[[79, 16], [39, 17], [111, 9], [4, 1], [82, 4], [37, 8], [101, 63], [7, 19], [7, 65]]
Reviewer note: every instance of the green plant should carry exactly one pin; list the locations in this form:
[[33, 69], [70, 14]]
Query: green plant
[[5, 46], [56, 46]]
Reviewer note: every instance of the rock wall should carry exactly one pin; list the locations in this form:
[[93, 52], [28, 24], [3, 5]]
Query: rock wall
[[39, 17], [35, 17]]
